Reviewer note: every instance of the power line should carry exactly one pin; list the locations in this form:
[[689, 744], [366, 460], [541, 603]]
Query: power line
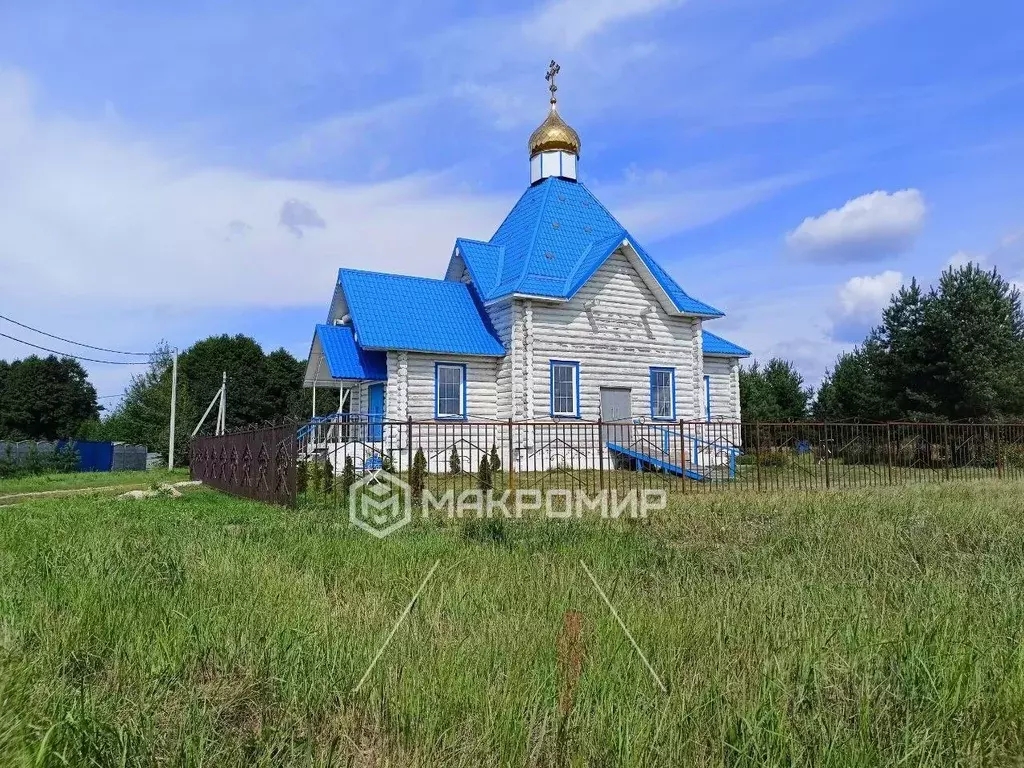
[[76, 343], [76, 357]]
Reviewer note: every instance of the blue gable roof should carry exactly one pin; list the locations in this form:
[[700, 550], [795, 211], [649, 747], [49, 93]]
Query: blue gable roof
[[346, 360], [716, 345], [552, 242], [417, 314]]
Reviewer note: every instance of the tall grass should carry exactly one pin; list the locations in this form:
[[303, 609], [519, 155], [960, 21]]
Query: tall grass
[[863, 628]]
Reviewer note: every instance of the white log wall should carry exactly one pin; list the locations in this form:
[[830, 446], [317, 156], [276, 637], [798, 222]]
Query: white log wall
[[723, 376], [410, 389], [616, 341]]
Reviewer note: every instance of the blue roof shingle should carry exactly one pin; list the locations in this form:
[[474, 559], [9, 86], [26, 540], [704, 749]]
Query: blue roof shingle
[[716, 345], [346, 360], [417, 314], [553, 240]]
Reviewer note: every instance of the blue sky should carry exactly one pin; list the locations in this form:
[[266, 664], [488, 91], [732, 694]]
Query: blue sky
[[176, 170]]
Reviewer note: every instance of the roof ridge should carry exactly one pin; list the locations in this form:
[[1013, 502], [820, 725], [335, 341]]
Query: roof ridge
[[639, 248], [474, 240], [396, 274], [536, 228], [500, 266], [583, 258], [510, 212]]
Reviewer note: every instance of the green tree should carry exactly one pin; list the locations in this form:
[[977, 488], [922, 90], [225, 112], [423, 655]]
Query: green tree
[[775, 392], [143, 416], [203, 365], [45, 399], [851, 391], [953, 352]]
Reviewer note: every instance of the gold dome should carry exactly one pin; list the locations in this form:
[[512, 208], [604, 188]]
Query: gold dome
[[554, 134]]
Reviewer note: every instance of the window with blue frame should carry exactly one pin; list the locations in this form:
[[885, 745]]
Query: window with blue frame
[[450, 391], [663, 393], [565, 385]]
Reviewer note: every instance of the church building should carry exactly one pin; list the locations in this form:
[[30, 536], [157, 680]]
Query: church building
[[560, 315]]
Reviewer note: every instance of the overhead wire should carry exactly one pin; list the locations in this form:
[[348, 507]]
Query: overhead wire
[[75, 357], [76, 343]]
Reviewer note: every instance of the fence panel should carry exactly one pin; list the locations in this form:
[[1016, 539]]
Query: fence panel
[[256, 464], [304, 462]]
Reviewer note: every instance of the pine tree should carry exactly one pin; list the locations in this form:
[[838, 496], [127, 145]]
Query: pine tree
[[495, 460], [417, 476], [454, 462], [348, 476], [483, 474]]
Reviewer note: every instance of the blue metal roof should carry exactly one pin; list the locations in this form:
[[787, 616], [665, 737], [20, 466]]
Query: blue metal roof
[[346, 359], [716, 345], [552, 242], [417, 314]]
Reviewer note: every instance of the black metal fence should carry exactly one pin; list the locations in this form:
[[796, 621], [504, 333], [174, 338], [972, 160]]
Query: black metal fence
[[686, 457], [316, 462], [258, 464]]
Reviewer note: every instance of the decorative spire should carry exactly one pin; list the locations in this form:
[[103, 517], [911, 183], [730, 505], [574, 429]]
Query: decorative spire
[[553, 70], [554, 134]]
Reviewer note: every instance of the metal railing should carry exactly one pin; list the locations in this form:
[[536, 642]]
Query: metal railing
[[683, 457]]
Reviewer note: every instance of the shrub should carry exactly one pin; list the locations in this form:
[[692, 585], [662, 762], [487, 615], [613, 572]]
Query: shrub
[[301, 476], [483, 474], [495, 459], [348, 475], [454, 462], [417, 476]]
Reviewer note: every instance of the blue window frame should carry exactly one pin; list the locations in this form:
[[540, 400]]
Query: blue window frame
[[707, 397], [449, 391], [663, 394], [565, 389]]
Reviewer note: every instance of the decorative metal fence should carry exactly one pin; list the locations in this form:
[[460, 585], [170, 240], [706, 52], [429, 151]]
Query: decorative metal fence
[[257, 464], [316, 461]]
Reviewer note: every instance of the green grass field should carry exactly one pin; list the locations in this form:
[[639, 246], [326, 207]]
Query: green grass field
[[855, 629], [85, 480]]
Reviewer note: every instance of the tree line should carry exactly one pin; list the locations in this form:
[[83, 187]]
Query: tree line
[[949, 353], [952, 352], [51, 398]]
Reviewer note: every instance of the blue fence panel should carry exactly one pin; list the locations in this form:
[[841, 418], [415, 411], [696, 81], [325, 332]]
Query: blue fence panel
[[92, 456]]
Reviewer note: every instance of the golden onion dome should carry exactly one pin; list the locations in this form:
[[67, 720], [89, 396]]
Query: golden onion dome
[[554, 134]]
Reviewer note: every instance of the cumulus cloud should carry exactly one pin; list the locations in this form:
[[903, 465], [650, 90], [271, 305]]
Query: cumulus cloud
[[866, 228], [89, 214], [859, 304]]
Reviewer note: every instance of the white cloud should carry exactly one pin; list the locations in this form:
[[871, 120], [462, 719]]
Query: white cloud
[[658, 204], [570, 23], [859, 304], [866, 228], [90, 215]]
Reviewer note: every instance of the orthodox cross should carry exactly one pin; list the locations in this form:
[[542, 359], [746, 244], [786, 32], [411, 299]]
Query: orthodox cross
[[553, 70]]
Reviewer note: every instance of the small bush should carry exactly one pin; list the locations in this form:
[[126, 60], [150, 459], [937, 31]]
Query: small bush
[[495, 460], [417, 476], [483, 474], [348, 476], [454, 462]]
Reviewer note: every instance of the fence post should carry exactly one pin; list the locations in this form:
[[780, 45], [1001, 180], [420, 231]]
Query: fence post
[[408, 449], [949, 448], [600, 453], [828, 476], [999, 456], [888, 448], [682, 454], [757, 452], [511, 468]]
